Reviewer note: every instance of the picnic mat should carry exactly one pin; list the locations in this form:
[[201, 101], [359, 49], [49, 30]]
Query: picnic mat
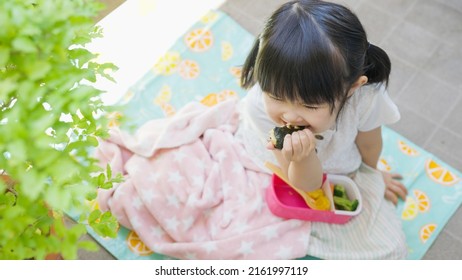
[[204, 65]]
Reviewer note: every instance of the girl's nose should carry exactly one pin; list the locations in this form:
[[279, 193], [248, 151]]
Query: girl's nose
[[291, 118]]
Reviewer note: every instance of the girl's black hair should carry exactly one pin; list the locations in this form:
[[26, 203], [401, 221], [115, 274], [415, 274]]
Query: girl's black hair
[[313, 52]]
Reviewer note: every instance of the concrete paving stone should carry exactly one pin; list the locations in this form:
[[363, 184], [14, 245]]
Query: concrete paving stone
[[445, 247], [428, 97], [445, 144], [398, 8], [446, 64], [413, 126], [454, 120], [377, 23], [442, 20], [402, 73], [411, 43]]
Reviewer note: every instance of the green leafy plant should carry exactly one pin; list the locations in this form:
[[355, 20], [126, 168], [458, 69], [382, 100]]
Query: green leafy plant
[[50, 119]]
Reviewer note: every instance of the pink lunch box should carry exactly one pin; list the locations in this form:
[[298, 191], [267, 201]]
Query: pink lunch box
[[285, 202]]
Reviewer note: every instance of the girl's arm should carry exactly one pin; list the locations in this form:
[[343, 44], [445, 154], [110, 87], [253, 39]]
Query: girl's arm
[[370, 146], [299, 162]]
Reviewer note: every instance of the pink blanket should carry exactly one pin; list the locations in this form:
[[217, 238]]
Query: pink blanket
[[191, 191]]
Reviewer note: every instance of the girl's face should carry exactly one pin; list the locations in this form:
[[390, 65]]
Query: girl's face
[[317, 118]]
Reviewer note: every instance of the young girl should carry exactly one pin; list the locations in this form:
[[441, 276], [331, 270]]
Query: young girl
[[313, 66], [192, 191]]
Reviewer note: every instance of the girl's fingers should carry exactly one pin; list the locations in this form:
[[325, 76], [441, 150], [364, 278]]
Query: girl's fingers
[[391, 196], [398, 189], [297, 143], [310, 136], [396, 176], [287, 150]]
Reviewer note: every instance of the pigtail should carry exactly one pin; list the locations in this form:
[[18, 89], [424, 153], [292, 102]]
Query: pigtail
[[378, 65], [247, 76]]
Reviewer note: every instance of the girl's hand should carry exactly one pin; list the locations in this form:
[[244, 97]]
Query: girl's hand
[[394, 189], [298, 145]]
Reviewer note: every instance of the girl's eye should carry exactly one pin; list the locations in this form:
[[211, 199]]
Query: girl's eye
[[275, 98], [311, 107]]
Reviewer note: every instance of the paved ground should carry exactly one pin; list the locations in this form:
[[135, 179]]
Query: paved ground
[[423, 39]]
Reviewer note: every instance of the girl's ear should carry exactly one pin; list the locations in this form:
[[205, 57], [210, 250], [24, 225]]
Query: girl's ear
[[362, 80]]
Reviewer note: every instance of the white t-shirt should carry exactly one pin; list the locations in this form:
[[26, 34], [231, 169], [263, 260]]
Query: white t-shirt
[[368, 108]]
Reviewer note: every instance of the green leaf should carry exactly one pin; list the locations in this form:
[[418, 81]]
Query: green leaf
[[4, 55], [101, 179], [37, 69], [107, 185], [92, 141], [7, 86], [7, 199], [24, 44], [81, 55], [18, 150], [57, 198], [106, 226], [32, 184], [94, 215], [108, 171]]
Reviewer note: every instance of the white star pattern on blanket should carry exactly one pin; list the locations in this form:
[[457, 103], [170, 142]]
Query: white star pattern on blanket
[[154, 177], [246, 248], [172, 224], [137, 203], [221, 156], [242, 227], [284, 252], [270, 233], [175, 177], [197, 181], [209, 247], [179, 156], [148, 195], [187, 223], [136, 222], [190, 256], [237, 168], [226, 188], [172, 200], [157, 232]]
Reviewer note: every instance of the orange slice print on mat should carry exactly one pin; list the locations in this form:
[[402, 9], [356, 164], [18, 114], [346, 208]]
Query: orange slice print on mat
[[137, 246], [164, 95], [167, 64], [383, 165], [407, 150], [423, 202], [226, 94], [114, 119], [426, 231], [168, 109], [128, 96], [209, 17], [210, 99], [410, 209], [226, 51], [236, 71], [199, 40], [440, 174], [188, 69]]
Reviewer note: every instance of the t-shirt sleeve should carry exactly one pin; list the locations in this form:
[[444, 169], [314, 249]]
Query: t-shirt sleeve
[[377, 109]]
